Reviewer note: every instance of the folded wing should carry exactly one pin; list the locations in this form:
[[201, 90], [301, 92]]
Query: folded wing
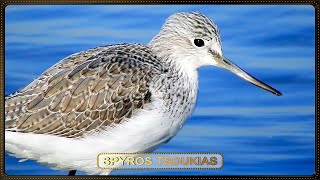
[[85, 92]]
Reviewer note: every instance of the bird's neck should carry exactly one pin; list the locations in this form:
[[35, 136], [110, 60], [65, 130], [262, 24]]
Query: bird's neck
[[173, 56]]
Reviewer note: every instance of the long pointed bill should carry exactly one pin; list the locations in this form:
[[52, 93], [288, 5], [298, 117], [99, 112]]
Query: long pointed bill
[[227, 64]]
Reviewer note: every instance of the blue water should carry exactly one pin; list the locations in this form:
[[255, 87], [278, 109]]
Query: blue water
[[258, 133]]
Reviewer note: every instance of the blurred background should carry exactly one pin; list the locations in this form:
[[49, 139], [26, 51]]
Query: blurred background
[[257, 132]]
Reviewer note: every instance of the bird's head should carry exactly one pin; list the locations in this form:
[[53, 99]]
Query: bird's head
[[194, 40]]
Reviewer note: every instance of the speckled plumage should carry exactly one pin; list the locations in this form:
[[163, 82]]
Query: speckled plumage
[[93, 89], [117, 98], [85, 91]]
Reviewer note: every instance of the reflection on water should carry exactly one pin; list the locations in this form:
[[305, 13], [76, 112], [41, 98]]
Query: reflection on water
[[258, 133]]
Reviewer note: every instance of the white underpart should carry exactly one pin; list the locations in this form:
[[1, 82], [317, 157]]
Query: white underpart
[[138, 134]]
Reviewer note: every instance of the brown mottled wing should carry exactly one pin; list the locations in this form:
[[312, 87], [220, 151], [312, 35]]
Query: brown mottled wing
[[84, 92]]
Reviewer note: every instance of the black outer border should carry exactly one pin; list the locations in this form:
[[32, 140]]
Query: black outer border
[[314, 3]]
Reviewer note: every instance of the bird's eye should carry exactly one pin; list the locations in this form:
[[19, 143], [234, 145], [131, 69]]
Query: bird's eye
[[199, 42]]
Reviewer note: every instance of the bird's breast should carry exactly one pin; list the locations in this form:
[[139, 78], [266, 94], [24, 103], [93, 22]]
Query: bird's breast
[[180, 95]]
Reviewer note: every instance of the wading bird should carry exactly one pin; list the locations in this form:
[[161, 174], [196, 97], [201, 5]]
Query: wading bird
[[115, 98]]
